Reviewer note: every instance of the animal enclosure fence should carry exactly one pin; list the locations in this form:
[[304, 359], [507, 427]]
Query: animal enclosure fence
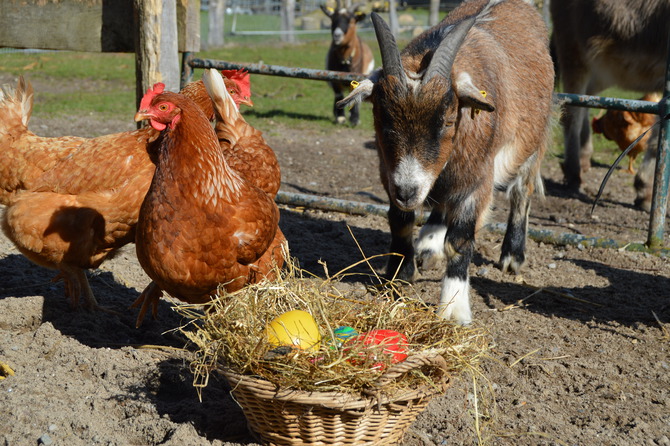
[[662, 109]]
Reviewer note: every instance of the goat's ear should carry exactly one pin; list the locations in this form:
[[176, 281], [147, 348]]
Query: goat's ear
[[360, 93], [328, 11], [471, 96], [359, 16]]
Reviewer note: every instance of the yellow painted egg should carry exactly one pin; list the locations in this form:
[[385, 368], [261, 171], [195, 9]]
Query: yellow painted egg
[[296, 328]]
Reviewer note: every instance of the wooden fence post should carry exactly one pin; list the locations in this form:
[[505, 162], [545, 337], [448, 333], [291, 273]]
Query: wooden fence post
[[156, 52]]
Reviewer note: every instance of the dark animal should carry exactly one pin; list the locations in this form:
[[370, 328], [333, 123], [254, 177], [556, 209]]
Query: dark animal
[[464, 109], [602, 43], [347, 53]]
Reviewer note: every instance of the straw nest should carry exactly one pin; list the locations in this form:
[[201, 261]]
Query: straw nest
[[231, 333]]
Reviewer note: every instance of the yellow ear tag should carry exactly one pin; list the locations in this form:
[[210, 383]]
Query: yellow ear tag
[[354, 84], [477, 111]]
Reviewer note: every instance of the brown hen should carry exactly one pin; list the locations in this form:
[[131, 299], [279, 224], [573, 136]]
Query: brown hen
[[624, 127], [72, 202], [201, 223]]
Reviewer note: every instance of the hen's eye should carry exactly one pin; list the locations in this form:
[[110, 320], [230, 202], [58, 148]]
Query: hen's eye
[[163, 107], [231, 91]]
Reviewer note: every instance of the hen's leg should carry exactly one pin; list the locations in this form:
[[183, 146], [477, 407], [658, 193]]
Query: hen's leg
[[76, 286], [149, 297]]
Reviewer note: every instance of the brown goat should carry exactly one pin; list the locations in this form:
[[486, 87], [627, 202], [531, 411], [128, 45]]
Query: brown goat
[[602, 43], [463, 110], [347, 53]]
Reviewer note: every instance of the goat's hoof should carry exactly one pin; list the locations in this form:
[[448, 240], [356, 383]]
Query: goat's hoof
[[341, 120], [461, 316], [428, 260], [510, 264], [643, 204]]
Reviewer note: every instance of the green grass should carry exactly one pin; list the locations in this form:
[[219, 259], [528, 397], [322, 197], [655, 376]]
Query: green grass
[[89, 82], [105, 83]]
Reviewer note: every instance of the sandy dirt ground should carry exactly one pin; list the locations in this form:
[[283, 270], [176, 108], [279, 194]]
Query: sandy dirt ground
[[580, 337]]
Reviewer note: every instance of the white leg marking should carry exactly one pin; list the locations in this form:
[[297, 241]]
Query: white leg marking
[[429, 246], [455, 300]]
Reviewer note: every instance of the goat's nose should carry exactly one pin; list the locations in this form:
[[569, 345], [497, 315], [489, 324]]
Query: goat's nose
[[406, 195]]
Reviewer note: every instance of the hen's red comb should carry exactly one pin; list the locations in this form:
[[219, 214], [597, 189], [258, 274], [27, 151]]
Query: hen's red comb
[[241, 78], [151, 93]]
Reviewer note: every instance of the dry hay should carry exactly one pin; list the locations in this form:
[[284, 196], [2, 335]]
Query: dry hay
[[231, 333]]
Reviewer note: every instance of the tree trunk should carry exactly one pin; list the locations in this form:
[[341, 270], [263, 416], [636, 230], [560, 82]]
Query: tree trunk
[[434, 14], [288, 20], [393, 18], [217, 14]]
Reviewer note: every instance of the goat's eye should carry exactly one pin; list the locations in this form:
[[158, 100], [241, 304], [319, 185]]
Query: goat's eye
[[449, 123]]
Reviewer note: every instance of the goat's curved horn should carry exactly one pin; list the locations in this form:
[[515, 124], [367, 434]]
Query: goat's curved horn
[[389, 49], [443, 58]]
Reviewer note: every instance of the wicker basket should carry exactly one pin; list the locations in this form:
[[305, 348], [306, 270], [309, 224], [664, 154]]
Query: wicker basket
[[294, 417]]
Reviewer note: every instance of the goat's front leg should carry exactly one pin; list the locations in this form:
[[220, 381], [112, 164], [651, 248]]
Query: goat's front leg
[[455, 295], [578, 146], [401, 266], [339, 113]]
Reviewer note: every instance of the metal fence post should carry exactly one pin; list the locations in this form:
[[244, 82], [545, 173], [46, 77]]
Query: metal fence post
[[659, 201]]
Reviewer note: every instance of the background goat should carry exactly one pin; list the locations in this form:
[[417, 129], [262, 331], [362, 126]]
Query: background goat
[[435, 145], [602, 43], [348, 53]]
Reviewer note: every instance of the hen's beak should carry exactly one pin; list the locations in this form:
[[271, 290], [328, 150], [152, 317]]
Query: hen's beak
[[141, 115], [247, 101]]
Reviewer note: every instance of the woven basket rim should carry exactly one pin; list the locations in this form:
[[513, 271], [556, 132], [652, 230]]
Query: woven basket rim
[[264, 389]]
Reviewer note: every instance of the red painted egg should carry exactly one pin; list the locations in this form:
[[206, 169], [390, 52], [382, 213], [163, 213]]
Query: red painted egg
[[394, 344]]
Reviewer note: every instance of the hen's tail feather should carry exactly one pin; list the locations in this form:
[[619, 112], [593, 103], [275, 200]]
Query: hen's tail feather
[[16, 105], [223, 102]]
